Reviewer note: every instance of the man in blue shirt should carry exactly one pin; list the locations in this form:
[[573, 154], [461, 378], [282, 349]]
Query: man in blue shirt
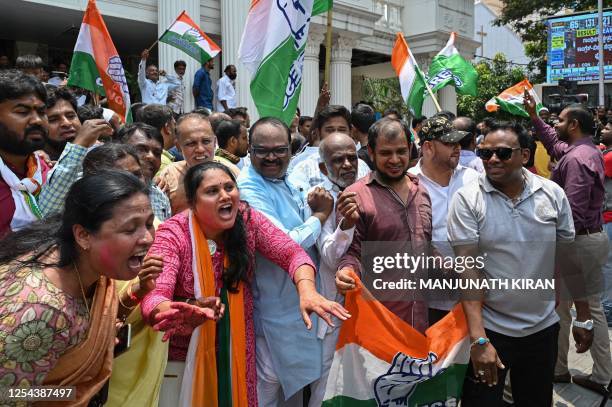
[[202, 86], [288, 356]]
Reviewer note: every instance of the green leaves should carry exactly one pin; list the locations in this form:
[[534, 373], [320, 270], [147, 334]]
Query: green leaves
[[494, 77], [384, 94]]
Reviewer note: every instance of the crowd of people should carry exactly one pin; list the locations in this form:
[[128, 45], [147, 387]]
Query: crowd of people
[[223, 249]]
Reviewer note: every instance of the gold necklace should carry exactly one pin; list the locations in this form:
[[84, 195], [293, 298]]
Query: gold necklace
[[82, 290]]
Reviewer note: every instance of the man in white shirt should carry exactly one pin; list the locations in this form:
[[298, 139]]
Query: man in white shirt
[[176, 97], [468, 156], [152, 89], [338, 162], [304, 169], [442, 175], [226, 91]]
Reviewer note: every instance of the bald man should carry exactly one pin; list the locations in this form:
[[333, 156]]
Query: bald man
[[338, 161], [196, 141]]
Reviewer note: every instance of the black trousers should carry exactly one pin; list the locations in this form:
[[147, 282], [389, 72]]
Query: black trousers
[[531, 360]]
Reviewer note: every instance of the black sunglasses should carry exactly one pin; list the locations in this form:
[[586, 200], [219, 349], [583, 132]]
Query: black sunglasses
[[503, 153]]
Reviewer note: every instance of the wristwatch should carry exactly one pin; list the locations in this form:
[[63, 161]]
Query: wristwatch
[[588, 324]]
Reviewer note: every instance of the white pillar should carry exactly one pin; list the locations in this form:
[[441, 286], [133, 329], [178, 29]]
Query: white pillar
[[233, 19], [310, 76], [340, 67], [167, 12], [447, 96]]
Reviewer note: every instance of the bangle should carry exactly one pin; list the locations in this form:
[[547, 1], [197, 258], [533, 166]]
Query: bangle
[[305, 278], [133, 296], [125, 306], [480, 341]]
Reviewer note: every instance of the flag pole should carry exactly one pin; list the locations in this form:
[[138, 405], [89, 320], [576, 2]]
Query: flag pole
[[164, 33], [328, 45], [435, 100]]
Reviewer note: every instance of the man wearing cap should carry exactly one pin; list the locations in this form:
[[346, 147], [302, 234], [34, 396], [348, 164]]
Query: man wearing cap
[[442, 175]]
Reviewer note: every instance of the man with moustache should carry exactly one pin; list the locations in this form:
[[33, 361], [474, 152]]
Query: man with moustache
[[394, 207], [63, 121], [288, 356], [226, 91], [196, 141], [338, 156], [516, 221], [441, 174], [580, 172], [67, 142], [148, 142], [152, 89], [23, 128]]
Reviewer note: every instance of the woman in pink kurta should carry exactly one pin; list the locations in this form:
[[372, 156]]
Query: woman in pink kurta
[[173, 241]]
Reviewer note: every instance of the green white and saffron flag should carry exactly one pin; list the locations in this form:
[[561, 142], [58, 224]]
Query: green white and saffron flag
[[380, 360], [511, 100], [411, 78], [272, 50], [450, 67], [96, 65], [186, 35]]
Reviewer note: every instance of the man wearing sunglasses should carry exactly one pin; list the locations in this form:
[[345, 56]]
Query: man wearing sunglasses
[[282, 371], [515, 219], [580, 172], [442, 175]]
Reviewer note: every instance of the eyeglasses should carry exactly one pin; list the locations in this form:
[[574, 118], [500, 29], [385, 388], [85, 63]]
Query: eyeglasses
[[261, 152], [503, 153]]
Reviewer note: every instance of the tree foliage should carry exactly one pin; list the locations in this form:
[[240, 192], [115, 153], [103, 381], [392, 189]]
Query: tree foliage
[[528, 17], [494, 77], [384, 94]]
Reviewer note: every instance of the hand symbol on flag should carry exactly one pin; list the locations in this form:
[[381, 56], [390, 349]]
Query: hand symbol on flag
[[396, 387]]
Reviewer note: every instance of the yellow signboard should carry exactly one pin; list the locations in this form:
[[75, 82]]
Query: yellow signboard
[[557, 42], [590, 32]]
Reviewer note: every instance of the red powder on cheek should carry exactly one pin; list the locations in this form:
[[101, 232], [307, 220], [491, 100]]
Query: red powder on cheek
[[106, 257]]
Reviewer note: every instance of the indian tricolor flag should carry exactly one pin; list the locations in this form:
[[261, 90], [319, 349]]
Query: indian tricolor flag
[[96, 65], [511, 100], [380, 360], [186, 35], [411, 78], [272, 50]]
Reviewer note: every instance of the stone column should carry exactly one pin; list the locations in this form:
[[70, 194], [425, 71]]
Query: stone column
[[167, 12], [310, 76], [233, 20], [447, 96], [340, 75]]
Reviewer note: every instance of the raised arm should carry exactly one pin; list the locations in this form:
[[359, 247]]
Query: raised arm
[[142, 74]]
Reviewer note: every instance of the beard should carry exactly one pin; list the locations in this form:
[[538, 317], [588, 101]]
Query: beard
[[57, 145], [13, 144]]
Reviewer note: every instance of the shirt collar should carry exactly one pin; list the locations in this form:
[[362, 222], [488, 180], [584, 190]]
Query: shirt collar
[[532, 184], [467, 153], [234, 159]]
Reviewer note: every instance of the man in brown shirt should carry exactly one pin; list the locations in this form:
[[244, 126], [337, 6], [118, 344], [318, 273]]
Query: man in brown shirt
[[393, 207]]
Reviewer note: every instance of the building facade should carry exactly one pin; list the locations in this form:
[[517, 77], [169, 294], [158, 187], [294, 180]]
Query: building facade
[[363, 36]]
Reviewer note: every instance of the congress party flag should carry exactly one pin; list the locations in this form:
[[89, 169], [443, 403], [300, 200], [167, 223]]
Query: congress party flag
[[380, 360], [511, 100], [411, 78], [186, 35], [450, 67], [96, 65], [272, 50]]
